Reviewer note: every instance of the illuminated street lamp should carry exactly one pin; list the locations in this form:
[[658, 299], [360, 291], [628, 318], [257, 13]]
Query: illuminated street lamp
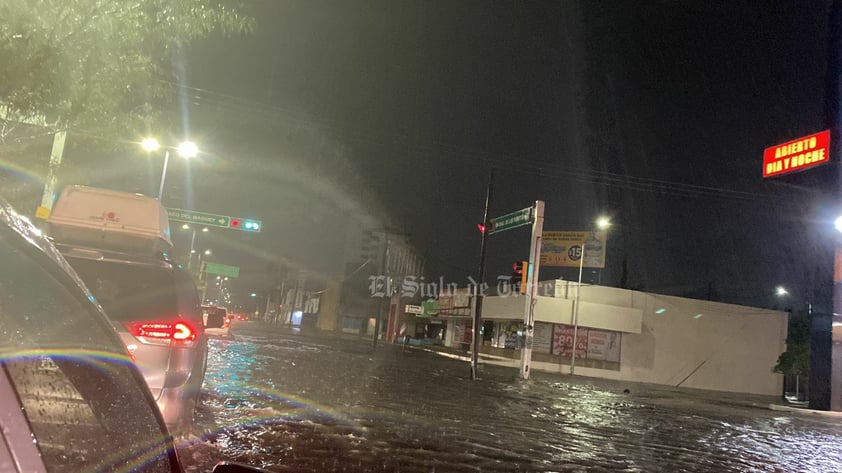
[[150, 144], [199, 263], [186, 150], [192, 241]]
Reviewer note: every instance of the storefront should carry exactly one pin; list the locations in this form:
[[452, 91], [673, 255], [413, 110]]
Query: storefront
[[554, 343]]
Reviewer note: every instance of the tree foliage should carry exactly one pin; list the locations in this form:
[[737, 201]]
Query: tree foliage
[[99, 65], [796, 358]]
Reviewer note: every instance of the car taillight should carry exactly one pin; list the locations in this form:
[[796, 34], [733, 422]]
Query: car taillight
[[175, 333]]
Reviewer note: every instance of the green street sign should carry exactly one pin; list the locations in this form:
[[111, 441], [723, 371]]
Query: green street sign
[[222, 270], [511, 220], [189, 216]]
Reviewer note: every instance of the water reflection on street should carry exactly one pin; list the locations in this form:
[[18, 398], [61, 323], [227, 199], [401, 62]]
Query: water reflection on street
[[304, 402]]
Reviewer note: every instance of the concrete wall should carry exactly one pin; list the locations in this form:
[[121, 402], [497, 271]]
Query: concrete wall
[[668, 340]]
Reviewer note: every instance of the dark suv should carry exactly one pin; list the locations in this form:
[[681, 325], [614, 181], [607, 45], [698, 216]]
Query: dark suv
[[154, 305]]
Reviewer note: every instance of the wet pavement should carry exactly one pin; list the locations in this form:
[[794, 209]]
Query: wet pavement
[[309, 402]]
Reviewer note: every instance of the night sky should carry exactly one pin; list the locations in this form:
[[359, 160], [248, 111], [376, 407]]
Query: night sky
[[654, 114]]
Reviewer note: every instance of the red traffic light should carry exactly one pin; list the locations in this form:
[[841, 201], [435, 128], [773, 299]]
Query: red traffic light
[[481, 228], [519, 276], [235, 223]]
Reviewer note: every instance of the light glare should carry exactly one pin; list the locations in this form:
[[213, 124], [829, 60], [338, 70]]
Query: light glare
[[150, 144], [188, 150], [603, 222]]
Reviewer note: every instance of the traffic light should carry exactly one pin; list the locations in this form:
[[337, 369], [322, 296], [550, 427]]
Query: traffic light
[[245, 224], [520, 273]]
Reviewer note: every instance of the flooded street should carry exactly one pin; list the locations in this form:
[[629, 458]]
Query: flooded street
[[305, 402]]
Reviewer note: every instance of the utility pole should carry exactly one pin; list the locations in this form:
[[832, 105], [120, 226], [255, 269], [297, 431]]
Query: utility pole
[[833, 119], [479, 297], [49, 194], [384, 271]]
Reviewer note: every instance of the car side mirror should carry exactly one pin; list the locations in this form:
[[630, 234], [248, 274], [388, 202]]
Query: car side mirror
[[234, 467]]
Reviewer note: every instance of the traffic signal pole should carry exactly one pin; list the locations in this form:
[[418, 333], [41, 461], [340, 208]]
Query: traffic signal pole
[[475, 341], [833, 118], [531, 288]]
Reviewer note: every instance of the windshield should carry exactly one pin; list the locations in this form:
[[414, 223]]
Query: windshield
[[68, 375], [552, 235]]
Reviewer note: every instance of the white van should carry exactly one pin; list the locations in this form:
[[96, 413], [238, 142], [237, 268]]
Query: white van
[[118, 242]]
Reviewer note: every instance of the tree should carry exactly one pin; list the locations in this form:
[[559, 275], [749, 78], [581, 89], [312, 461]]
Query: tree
[[796, 359], [101, 66]]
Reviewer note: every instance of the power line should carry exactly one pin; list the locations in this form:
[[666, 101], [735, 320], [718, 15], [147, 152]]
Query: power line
[[548, 170]]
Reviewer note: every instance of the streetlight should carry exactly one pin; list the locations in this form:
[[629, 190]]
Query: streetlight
[[199, 263], [781, 291], [150, 144], [192, 241], [186, 150], [602, 223]]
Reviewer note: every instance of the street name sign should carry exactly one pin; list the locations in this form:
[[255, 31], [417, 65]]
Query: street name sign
[[510, 220], [222, 270], [190, 216]]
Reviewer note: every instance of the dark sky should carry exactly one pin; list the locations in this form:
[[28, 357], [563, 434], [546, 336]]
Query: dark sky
[[655, 113]]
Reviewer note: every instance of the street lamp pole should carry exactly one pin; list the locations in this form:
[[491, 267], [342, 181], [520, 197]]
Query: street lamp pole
[[163, 175], [576, 311], [186, 150], [192, 248], [602, 224]]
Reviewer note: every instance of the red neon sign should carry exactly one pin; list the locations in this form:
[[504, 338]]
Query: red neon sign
[[797, 155]]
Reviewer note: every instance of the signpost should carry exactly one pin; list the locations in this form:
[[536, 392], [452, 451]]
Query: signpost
[[222, 270], [515, 219], [189, 216], [414, 309], [214, 220], [531, 289], [534, 215]]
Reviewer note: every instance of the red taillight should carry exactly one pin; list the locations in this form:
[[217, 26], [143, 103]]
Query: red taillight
[[163, 333]]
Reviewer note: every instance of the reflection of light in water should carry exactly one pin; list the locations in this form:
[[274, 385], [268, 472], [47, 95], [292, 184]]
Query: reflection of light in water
[[414, 412]]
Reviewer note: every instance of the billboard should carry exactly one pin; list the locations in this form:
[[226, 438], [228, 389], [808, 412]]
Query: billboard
[[566, 249], [797, 155], [591, 344]]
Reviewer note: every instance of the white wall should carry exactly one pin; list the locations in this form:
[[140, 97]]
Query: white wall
[[692, 343]]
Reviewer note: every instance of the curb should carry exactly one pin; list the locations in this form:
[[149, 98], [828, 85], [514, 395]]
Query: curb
[[801, 410]]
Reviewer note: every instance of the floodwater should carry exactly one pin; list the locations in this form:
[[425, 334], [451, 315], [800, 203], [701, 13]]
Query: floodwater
[[307, 402]]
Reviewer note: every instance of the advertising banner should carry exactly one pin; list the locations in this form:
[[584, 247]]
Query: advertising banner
[[566, 249], [563, 341], [603, 345]]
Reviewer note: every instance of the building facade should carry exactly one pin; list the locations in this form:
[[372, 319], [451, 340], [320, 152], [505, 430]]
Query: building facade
[[633, 336]]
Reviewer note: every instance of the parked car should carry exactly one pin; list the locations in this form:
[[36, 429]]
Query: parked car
[[70, 397], [117, 243]]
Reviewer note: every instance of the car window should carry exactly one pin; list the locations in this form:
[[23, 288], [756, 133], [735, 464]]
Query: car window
[[75, 383], [188, 301], [129, 292]]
